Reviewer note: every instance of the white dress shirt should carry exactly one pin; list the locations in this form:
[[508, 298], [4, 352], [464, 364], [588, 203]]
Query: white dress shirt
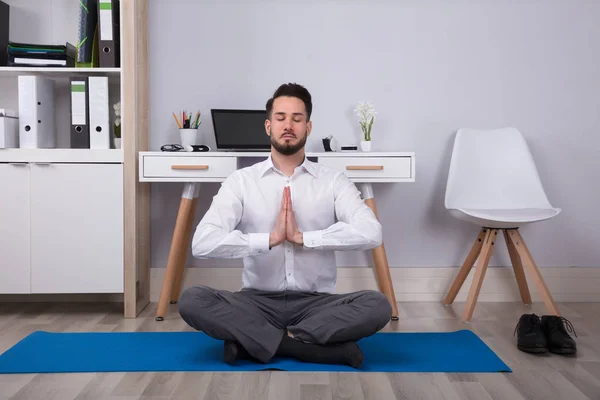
[[329, 211]]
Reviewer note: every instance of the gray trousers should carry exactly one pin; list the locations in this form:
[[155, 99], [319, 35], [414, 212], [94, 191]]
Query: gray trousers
[[258, 320]]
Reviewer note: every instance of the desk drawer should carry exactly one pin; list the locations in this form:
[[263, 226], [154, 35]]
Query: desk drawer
[[189, 167], [370, 167]]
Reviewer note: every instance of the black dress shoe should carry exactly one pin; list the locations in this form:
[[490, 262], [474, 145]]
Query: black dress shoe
[[531, 337], [559, 341]]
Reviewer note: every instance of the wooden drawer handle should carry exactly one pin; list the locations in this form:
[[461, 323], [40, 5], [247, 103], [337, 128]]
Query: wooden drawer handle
[[189, 167], [363, 167]]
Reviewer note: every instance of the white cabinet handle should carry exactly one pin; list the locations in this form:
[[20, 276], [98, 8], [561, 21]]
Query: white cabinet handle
[[18, 164], [363, 167], [189, 167]]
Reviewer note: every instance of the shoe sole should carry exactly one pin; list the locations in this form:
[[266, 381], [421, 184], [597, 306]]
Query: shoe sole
[[534, 350], [563, 351]]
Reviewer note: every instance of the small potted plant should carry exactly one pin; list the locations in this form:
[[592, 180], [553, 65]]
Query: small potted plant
[[117, 125], [366, 116]]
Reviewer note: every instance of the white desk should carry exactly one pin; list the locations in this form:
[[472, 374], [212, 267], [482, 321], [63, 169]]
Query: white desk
[[192, 168]]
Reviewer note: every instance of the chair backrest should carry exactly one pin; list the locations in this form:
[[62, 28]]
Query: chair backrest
[[493, 169]]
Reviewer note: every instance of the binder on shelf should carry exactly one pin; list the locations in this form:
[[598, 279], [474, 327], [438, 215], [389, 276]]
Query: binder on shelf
[[87, 39], [108, 33], [9, 129], [80, 126], [37, 123], [4, 29], [99, 113]]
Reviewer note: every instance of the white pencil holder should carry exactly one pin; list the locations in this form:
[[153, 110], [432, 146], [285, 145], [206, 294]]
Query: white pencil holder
[[188, 136]]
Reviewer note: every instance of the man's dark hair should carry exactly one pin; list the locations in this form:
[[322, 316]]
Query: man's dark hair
[[291, 90]]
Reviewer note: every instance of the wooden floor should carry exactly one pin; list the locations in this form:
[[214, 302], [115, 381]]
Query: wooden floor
[[534, 377]]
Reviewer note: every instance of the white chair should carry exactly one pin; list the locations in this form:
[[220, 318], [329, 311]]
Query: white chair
[[493, 183]]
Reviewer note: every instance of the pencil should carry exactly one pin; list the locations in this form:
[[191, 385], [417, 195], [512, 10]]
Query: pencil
[[176, 120]]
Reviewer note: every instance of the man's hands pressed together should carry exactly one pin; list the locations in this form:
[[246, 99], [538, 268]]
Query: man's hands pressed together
[[286, 227], [279, 233], [293, 235]]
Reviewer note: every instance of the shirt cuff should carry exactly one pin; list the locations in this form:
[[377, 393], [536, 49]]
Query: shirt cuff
[[313, 239], [259, 241]]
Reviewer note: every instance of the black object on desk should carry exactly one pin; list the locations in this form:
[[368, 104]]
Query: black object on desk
[[178, 147]]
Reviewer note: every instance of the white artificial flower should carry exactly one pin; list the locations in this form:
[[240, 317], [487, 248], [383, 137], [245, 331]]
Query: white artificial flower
[[366, 116], [117, 108]]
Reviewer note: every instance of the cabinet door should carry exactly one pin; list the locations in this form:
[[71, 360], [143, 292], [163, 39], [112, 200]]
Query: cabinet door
[[14, 229], [77, 228]]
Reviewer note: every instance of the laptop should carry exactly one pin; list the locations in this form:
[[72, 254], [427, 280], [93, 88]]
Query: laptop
[[240, 130]]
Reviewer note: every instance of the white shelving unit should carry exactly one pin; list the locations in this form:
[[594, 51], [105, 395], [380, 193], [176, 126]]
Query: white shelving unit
[[61, 209], [9, 93], [77, 220], [59, 72], [61, 155]]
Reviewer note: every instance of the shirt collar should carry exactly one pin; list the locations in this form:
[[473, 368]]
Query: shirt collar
[[306, 164]]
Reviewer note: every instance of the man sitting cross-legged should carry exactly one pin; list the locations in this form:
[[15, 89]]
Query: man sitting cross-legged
[[286, 216]]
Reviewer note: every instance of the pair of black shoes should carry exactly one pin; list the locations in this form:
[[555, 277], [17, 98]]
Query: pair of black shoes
[[548, 333]]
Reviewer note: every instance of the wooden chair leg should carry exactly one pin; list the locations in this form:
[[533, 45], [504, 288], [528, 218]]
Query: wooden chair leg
[[176, 290], [533, 271], [482, 264], [465, 269], [515, 259]]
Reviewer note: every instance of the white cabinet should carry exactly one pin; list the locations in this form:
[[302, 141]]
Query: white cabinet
[[14, 228], [76, 228], [67, 234]]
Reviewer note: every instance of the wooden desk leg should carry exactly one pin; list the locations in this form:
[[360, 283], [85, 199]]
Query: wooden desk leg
[[382, 268], [189, 228], [179, 248]]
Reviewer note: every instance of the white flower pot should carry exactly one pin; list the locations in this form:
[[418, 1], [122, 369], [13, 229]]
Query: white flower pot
[[365, 145], [117, 143]]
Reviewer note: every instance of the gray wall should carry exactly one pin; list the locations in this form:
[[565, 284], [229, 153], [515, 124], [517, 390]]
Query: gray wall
[[431, 67]]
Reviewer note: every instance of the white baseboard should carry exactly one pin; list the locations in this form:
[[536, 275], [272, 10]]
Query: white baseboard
[[62, 298], [566, 284]]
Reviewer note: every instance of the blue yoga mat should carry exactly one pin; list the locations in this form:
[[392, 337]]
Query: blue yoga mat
[[45, 352]]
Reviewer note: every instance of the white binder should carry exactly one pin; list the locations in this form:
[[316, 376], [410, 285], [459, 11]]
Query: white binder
[[99, 114], [37, 124]]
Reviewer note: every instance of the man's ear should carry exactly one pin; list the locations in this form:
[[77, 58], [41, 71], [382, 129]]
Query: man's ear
[[268, 127], [308, 128]]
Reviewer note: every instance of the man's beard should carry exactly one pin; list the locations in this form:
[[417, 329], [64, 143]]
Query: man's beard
[[286, 148]]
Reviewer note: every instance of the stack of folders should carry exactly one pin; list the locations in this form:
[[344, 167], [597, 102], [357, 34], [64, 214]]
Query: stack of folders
[[89, 112], [40, 55]]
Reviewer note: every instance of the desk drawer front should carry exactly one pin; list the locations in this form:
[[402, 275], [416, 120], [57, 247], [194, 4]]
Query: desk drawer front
[[370, 167], [189, 167]]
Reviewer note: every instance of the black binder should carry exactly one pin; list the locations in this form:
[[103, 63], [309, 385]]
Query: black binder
[[4, 24], [88, 21], [80, 113], [109, 52]]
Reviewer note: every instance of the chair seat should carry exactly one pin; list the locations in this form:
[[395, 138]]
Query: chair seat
[[504, 218]]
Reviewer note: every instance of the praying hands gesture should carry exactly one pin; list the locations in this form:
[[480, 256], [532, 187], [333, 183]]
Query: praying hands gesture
[[286, 227]]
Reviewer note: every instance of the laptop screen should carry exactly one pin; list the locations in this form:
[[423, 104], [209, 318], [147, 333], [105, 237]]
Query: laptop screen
[[240, 129]]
